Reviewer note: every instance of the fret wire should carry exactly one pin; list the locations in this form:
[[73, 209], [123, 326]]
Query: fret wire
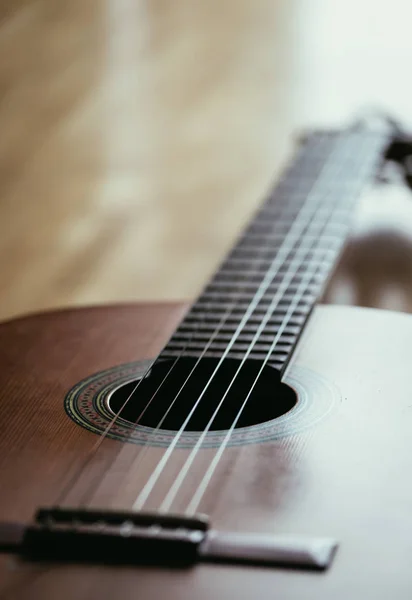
[[274, 362], [238, 345], [228, 268], [325, 248], [200, 310], [265, 300], [275, 320], [227, 296], [202, 335], [246, 256], [334, 226], [197, 311], [225, 336], [271, 327], [220, 296], [250, 287], [253, 237], [230, 278], [305, 304]]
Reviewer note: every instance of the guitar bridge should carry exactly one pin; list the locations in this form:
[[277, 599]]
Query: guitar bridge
[[127, 538]]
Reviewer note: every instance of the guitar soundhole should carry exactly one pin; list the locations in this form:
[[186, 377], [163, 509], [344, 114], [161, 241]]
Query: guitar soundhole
[[169, 395]]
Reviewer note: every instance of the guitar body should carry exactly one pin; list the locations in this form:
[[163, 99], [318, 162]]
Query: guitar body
[[341, 470]]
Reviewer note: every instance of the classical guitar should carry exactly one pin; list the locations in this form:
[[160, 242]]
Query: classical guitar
[[248, 445]]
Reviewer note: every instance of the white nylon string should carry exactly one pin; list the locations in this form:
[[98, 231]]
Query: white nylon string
[[146, 446], [89, 489], [194, 503], [197, 497], [295, 301], [286, 247]]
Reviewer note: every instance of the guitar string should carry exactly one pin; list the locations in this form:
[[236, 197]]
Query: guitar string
[[93, 482], [76, 476], [300, 293], [201, 489], [91, 488], [141, 499], [127, 400], [282, 253], [86, 497], [67, 488], [295, 301], [93, 451], [171, 494]]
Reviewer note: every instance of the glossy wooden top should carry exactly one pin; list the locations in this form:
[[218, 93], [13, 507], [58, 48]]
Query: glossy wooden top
[[345, 476]]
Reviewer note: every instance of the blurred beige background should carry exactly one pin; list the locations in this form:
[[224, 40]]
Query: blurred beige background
[[137, 137]]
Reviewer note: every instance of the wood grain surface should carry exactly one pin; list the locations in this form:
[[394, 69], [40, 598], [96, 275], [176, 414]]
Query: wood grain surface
[[345, 476], [138, 137]]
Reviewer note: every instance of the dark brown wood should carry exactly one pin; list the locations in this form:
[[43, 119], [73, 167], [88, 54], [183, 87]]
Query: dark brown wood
[[42, 357], [346, 476]]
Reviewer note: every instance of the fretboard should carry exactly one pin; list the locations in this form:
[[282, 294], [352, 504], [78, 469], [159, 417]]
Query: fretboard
[[259, 300]]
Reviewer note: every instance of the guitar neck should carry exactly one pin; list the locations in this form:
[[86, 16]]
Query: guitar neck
[[259, 300]]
